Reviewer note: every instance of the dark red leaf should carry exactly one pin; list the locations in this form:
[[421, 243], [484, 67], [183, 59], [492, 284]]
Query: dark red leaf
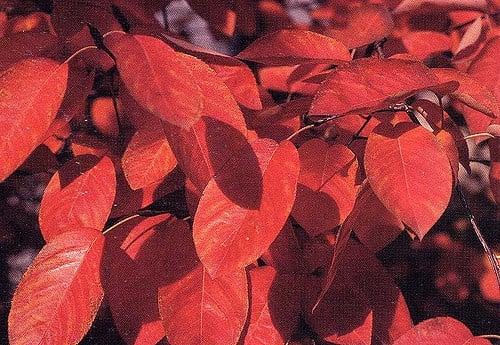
[[494, 174], [440, 330], [410, 173], [365, 24], [245, 205], [293, 47], [148, 157], [443, 5], [237, 75], [221, 17], [194, 308], [366, 85], [284, 254], [79, 195], [157, 78], [471, 92], [139, 267], [272, 321], [326, 189], [60, 294], [363, 305], [31, 93]]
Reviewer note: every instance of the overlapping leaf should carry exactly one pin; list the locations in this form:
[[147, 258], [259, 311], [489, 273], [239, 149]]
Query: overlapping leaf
[[219, 134], [148, 157], [271, 322], [293, 47], [440, 330], [443, 5], [326, 189], [366, 85], [79, 195], [471, 92], [380, 314], [31, 92], [194, 308], [410, 173], [485, 66], [139, 265], [157, 78], [245, 205], [60, 294]]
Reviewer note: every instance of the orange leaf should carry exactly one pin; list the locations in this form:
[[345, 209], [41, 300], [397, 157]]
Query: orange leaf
[[148, 157], [60, 294], [157, 78], [424, 44], [31, 92], [440, 330], [366, 85], [443, 5], [293, 47], [486, 65], [410, 173], [80, 194], [326, 189], [245, 205], [194, 308]]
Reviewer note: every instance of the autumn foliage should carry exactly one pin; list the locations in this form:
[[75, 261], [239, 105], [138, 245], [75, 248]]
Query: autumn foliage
[[214, 199]]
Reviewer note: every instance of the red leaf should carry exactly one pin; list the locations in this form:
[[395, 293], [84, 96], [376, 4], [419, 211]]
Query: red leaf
[[443, 5], [284, 254], [69, 17], [139, 267], [31, 93], [363, 306], [366, 85], [80, 194], [220, 133], [148, 157], [293, 47], [372, 223], [272, 321], [326, 189], [424, 44], [440, 330], [60, 294], [471, 92], [447, 143], [194, 308], [245, 205], [365, 24], [237, 75], [157, 78], [25, 45], [494, 174], [410, 173], [485, 66], [220, 17]]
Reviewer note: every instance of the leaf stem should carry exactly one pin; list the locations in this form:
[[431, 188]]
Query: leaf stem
[[303, 129], [477, 135], [356, 135], [492, 257], [81, 50], [124, 220]]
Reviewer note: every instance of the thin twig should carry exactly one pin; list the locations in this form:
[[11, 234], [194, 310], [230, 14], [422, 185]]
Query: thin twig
[[356, 135], [303, 129], [124, 220], [489, 252]]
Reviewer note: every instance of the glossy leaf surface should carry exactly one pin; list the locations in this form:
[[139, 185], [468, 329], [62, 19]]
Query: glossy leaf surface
[[79, 195], [245, 205], [326, 189], [31, 92], [293, 47], [165, 86], [61, 292], [410, 173], [366, 85]]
